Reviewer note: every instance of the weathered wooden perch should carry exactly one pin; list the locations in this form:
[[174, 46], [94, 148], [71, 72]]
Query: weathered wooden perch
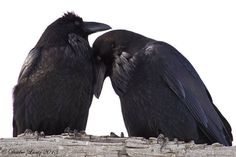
[[105, 146]]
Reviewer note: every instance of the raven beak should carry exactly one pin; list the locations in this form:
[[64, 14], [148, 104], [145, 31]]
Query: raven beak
[[93, 27], [100, 77]]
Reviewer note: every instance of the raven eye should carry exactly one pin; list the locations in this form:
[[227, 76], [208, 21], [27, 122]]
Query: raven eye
[[77, 23]]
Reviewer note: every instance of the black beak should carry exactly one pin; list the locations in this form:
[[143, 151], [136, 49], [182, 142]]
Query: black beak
[[93, 27], [100, 77]]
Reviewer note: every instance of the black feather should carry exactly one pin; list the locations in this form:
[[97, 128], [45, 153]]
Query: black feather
[[56, 82], [160, 91]]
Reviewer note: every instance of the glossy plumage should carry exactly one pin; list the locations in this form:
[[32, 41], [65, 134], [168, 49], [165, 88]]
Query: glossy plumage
[[56, 82], [159, 90]]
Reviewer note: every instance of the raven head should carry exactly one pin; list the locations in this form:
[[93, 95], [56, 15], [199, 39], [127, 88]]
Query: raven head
[[109, 50], [69, 23], [73, 23]]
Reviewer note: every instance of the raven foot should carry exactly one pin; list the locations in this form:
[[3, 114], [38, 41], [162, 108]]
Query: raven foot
[[112, 134], [29, 134], [162, 140]]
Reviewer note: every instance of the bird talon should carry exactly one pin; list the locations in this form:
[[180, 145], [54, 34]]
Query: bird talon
[[67, 130], [28, 131], [42, 134], [122, 135], [160, 138], [112, 134]]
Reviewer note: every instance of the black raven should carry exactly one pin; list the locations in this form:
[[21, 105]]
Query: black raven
[[56, 83], [159, 90]]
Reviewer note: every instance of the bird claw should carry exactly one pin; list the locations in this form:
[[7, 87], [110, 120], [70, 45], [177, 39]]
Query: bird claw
[[42, 134], [81, 133], [162, 140], [28, 131], [112, 134], [39, 135], [191, 142], [122, 135], [75, 133], [67, 130], [29, 134], [176, 141]]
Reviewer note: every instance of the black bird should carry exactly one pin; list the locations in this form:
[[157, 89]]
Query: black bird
[[160, 91], [56, 83]]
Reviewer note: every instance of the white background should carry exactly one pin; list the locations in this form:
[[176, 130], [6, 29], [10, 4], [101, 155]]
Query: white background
[[203, 31]]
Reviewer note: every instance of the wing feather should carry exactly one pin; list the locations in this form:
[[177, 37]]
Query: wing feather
[[183, 80]]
